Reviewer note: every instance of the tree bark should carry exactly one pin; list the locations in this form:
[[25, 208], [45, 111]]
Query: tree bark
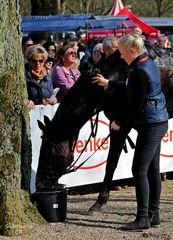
[[44, 7], [25, 7], [14, 127]]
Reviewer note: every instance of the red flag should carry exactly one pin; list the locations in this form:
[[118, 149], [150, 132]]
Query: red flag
[[117, 7]]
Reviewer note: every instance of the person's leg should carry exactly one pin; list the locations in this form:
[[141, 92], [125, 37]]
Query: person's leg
[[141, 161], [154, 180], [147, 148], [147, 152]]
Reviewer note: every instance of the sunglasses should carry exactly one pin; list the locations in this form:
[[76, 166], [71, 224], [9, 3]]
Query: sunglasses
[[37, 61], [71, 53]]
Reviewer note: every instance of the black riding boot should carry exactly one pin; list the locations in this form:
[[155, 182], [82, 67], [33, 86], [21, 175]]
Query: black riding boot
[[154, 219], [138, 224]]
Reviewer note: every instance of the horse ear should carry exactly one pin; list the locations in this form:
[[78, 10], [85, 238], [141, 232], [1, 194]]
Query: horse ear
[[41, 125], [46, 120]]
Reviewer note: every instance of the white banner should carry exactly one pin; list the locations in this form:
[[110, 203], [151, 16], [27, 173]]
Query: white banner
[[94, 169]]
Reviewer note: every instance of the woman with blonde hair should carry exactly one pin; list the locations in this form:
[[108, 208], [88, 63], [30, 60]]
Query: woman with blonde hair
[[65, 74], [73, 43], [39, 83], [150, 119]]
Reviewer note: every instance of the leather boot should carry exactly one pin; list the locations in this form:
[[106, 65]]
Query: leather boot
[[154, 219], [139, 224]]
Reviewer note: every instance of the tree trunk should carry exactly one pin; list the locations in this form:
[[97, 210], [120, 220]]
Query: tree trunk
[[25, 7], [159, 4], [14, 126], [44, 7]]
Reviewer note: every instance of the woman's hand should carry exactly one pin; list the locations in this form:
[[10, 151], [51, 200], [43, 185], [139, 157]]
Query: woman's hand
[[53, 101], [45, 101], [50, 101], [100, 80], [114, 126], [31, 104]]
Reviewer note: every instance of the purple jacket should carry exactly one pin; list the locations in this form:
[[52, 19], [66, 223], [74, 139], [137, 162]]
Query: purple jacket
[[63, 79]]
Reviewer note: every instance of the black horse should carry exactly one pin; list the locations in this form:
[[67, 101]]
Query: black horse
[[56, 154], [83, 101]]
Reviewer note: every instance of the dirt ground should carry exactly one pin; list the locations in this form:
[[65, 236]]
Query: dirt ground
[[105, 225]]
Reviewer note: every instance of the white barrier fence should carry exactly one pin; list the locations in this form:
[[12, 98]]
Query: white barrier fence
[[93, 170]]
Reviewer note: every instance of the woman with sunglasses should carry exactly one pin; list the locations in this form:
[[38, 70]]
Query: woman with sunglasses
[[65, 74], [39, 83]]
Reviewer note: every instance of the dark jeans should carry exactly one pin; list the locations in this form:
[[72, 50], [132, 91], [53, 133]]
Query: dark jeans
[[146, 168]]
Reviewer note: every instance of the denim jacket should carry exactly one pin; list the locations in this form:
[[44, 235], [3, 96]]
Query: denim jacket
[[154, 105]]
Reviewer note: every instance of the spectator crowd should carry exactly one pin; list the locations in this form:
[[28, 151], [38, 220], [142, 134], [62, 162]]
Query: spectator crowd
[[63, 62]]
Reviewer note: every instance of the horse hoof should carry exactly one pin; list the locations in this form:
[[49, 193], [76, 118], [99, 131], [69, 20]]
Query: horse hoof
[[96, 207]]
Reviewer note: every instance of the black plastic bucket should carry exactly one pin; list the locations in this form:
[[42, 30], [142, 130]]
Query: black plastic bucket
[[52, 205]]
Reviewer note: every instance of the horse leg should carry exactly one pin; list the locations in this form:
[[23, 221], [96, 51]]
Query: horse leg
[[117, 140]]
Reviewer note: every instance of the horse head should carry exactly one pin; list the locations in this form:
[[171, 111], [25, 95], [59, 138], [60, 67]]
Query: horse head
[[55, 157]]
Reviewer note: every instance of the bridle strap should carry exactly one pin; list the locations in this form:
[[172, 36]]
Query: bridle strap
[[92, 134], [76, 168]]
